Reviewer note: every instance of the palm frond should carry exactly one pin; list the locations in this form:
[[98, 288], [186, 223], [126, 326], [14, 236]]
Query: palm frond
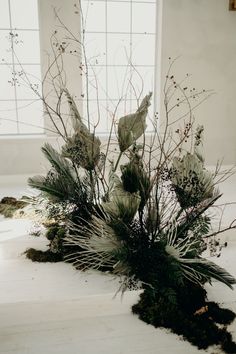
[[52, 189], [62, 182], [208, 270], [191, 181], [99, 243], [59, 163], [195, 268], [193, 215]]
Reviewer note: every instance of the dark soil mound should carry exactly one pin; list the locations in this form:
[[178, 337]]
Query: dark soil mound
[[43, 256], [191, 316]]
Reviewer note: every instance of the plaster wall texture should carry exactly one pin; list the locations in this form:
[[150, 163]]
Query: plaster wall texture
[[202, 34]]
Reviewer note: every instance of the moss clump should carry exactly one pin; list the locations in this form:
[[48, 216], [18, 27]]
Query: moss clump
[[9, 205], [52, 232], [55, 235], [183, 318], [43, 256]]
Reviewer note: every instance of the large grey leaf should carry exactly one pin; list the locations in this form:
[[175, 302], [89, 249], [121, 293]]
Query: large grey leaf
[[132, 126], [76, 119], [83, 147]]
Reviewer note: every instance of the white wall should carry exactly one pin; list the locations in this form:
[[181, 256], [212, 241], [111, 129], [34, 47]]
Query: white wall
[[60, 15], [202, 33]]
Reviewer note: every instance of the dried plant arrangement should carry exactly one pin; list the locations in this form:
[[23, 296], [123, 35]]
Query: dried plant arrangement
[[142, 212], [143, 216]]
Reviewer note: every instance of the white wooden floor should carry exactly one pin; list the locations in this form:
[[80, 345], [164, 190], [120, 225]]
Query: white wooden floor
[[52, 308]]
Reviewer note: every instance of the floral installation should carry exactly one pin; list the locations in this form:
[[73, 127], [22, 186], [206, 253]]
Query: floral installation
[[142, 212], [144, 217]]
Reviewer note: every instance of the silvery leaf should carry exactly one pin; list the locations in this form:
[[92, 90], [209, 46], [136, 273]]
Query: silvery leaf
[[132, 126]]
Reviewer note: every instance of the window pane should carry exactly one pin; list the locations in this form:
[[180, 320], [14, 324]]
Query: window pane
[[143, 88], [142, 81], [26, 47], [95, 45], [7, 89], [126, 41], [141, 12], [8, 123], [28, 19], [118, 17], [5, 47], [118, 49], [22, 47], [98, 116], [94, 16], [118, 82], [96, 83], [4, 14], [28, 75], [143, 49], [134, 105], [120, 108], [130, 83], [30, 116]]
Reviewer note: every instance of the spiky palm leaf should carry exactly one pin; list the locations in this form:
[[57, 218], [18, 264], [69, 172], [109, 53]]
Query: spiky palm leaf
[[208, 270], [123, 205], [196, 269], [62, 182], [135, 179], [59, 163], [54, 185], [52, 189], [99, 243], [193, 215], [191, 181]]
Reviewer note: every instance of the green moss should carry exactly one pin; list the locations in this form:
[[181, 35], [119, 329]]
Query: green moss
[[61, 232], [9, 205], [51, 232], [43, 256], [201, 330], [54, 231]]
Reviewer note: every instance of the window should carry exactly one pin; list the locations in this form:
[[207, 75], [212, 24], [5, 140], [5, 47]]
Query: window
[[20, 110], [120, 47]]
